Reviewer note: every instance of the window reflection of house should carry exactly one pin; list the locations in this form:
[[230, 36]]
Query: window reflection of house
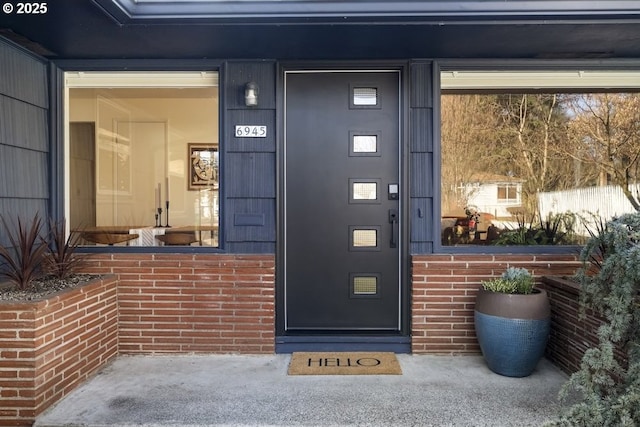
[[493, 193], [509, 193]]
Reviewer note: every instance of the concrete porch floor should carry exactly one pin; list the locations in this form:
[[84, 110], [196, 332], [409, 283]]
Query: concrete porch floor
[[239, 390]]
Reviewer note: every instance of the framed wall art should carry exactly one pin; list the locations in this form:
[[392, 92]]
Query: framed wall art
[[203, 166]]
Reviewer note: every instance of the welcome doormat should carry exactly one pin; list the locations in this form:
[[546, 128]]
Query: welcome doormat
[[349, 363]]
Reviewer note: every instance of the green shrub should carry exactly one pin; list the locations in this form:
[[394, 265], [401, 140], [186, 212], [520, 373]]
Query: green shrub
[[609, 385], [558, 229]]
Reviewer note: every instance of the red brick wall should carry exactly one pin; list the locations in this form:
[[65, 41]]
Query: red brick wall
[[185, 303], [215, 303], [47, 348], [570, 335], [444, 289]]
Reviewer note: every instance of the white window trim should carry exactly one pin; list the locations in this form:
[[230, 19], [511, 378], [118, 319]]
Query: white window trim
[[130, 79], [532, 80]]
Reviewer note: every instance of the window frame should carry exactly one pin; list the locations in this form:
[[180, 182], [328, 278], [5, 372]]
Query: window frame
[[484, 66], [508, 188], [60, 135]]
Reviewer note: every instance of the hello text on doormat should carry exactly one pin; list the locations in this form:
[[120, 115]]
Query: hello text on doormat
[[344, 363]]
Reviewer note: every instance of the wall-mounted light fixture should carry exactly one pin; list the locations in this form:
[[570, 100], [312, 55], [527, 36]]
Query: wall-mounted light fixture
[[251, 91]]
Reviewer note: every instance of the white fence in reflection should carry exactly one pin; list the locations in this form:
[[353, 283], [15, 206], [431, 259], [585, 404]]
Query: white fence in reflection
[[589, 203]]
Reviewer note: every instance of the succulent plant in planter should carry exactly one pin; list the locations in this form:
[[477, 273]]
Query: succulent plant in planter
[[513, 281], [512, 321]]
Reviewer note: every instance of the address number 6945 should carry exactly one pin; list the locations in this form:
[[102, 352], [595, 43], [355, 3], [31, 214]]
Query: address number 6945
[[251, 131]]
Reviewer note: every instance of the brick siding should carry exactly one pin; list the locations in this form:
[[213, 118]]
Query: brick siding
[[218, 303], [153, 303], [571, 335], [444, 290], [193, 303], [47, 348]]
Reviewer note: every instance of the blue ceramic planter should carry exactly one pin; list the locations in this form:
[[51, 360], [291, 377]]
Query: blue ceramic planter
[[512, 330]]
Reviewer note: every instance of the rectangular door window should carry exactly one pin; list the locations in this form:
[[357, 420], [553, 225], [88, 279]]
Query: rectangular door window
[[364, 238], [365, 143], [365, 96], [364, 285], [365, 191]]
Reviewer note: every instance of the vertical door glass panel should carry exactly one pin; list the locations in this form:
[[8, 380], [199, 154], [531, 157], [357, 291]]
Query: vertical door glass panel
[[365, 143], [365, 96]]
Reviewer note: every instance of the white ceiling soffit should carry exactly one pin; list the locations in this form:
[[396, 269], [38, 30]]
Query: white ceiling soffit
[[466, 80], [99, 79], [136, 11]]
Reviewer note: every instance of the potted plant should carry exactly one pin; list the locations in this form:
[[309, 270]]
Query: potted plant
[[512, 321]]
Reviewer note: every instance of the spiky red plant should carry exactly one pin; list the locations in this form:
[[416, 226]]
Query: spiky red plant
[[61, 258], [22, 260]]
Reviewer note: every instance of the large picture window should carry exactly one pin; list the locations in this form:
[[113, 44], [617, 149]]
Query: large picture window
[[537, 158], [143, 163]]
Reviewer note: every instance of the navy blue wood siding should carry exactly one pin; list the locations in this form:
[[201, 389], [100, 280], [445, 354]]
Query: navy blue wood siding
[[249, 168], [422, 168], [24, 135]]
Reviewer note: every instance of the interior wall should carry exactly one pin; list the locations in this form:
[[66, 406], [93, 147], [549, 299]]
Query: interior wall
[[82, 191], [155, 131]]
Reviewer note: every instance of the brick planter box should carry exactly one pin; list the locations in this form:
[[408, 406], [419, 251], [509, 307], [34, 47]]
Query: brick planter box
[[49, 347], [444, 289], [193, 303], [570, 335]]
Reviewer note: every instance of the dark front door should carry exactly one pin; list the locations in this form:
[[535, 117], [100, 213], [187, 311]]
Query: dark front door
[[341, 217]]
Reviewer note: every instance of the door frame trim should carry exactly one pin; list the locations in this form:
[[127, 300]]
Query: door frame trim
[[403, 153]]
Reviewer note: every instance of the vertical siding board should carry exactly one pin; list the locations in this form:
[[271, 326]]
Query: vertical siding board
[[421, 175], [23, 174], [421, 161], [421, 220], [24, 134], [421, 129], [22, 124], [250, 175], [249, 164], [252, 117], [22, 76], [25, 209], [251, 247], [247, 215], [238, 74], [421, 247], [421, 88]]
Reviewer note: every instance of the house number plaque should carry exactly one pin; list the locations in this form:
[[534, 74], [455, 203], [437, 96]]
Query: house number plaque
[[251, 131]]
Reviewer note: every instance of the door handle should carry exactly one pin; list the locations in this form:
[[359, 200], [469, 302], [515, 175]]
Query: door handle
[[393, 220]]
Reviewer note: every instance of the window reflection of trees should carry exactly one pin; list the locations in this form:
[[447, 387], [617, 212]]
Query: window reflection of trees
[[550, 141]]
